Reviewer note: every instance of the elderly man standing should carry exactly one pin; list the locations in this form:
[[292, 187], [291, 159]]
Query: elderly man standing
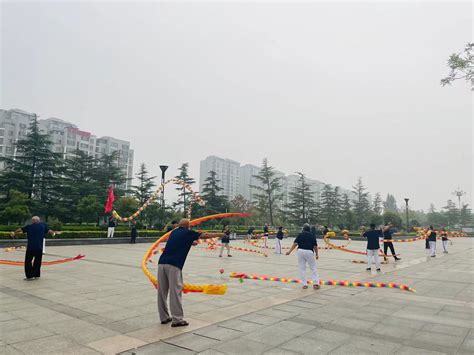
[[170, 266], [35, 232]]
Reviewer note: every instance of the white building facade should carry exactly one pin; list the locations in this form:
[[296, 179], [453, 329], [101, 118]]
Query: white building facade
[[227, 172]]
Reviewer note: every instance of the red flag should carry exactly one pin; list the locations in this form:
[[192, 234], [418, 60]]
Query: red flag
[[110, 200]]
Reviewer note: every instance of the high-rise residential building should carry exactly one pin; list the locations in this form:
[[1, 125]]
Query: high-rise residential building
[[66, 139], [245, 178], [227, 172], [14, 125]]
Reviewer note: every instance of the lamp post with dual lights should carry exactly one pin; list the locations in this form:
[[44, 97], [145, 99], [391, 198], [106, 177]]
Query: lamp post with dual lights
[[406, 208]]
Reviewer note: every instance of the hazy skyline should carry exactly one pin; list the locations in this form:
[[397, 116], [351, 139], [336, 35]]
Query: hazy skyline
[[334, 90]]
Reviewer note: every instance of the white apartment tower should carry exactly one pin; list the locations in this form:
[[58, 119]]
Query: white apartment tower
[[227, 172]]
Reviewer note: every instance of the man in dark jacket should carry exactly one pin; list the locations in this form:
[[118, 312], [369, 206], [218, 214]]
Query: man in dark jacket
[[373, 245], [35, 232], [133, 232]]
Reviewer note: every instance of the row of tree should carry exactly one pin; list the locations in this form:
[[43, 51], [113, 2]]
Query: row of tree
[[74, 190]]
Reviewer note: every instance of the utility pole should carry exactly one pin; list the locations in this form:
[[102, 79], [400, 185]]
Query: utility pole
[[406, 208]]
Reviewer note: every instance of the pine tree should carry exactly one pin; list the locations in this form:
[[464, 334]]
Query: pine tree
[[337, 205], [215, 202], [451, 212], [268, 191], [144, 189], [361, 202], [390, 204], [35, 171], [377, 204], [301, 201], [466, 216], [347, 215], [327, 204], [184, 195]]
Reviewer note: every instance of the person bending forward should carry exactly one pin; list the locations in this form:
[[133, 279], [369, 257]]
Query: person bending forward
[[170, 266]]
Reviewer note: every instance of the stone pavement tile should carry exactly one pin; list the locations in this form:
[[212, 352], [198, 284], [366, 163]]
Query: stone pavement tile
[[240, 325], [193, 342], [277, 314], [438, 338], [159, 348], [48, 345], [392, 331], [4, 316], [353, 323], [201, 308], [242, 346], [294, 328], [65, 326], [410, 350], [347, 349], [403, 323], [271, 335], [445, 320], [468, 345], [14, 324], [286, 307], [154, 333], [304, 304], [25, 334], [327, 335], [446, 329], [89, 334], [373, 344], [115, 344], [419, 310], [9, 350], [70, 311], [309, 346], [78, 350], [279, 351], [210, 352], [219, 333], [457, 315], [260, 319]]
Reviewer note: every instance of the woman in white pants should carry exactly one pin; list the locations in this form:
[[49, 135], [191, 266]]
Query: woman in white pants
[[111, 228], [432, 241], [279, 240], [307, 254], [444, 240]]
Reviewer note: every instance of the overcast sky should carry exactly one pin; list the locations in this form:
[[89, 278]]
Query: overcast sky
[[335, 90]]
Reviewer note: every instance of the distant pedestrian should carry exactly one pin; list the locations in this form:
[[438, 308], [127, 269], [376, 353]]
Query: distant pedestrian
[[307, 254], [432, 241], [427, 242], [444, 240], [373, 245], [325, 231], [35, 232], [133, 232], [171, 226], [170, 266], [250, 233], [265, 234], [111, 227], [387, 235], [279, 240], [225, 241]]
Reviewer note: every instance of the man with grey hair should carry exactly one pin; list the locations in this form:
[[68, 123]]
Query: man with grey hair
[[35, 232], [170, 266]]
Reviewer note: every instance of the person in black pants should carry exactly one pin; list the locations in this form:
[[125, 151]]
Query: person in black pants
[[35, 232], [133, 232], [387, 235]]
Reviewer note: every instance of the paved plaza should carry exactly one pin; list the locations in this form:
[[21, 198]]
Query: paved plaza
[[105, 304]]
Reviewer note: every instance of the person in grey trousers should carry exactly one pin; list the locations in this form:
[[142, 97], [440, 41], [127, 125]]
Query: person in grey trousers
[[170, 266]]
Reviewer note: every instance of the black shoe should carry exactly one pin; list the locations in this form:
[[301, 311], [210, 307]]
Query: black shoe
[[166, 321], [433, 256], [396, 259], [182, 323], [378, 270], [368, 269]]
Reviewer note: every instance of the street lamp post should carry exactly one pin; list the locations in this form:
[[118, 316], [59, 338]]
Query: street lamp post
[[459, 193], [163, 171], [406, 208]]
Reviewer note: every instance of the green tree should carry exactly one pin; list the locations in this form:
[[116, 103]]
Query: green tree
[[436, 219], [361, 202], [451, 212], [36, 171], [215, 202], [327, 204], [390, 204], [337, 205], [301, 201], [240, 204], [394, 218], [126, 206], [268, 191], [184, 197], [461, 66], [16, 208], [144, 189], [377, 204], [89, 209], [347, 217], [466, 216]]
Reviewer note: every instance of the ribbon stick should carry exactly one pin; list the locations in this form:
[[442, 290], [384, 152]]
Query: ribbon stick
[[242, 275], [53, 262]]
